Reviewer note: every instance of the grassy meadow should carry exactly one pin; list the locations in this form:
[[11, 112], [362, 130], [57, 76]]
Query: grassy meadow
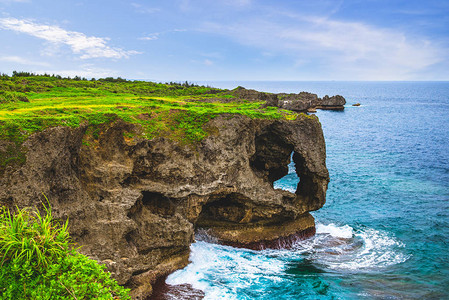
[[30, 103]]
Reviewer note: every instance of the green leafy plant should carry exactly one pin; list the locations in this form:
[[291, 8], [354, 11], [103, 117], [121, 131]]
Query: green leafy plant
[[39, 262], [27, 236]]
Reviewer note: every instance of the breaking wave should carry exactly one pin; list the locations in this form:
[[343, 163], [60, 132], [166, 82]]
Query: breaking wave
[[232, 273]]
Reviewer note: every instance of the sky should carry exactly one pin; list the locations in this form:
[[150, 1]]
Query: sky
[[198, 40]]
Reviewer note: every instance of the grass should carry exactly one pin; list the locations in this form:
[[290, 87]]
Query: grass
[[30, 104], [39, 262], [28, 236]]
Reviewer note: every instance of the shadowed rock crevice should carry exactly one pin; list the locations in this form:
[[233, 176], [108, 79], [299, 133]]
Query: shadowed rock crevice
[[272, 156], [271, 159], [158, 204], [158, 225], [231, 207]]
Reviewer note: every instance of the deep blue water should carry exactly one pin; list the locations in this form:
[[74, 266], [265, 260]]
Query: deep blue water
[[383, 232]]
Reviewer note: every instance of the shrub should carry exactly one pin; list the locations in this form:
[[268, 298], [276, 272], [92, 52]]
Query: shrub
[[6, 97], [39, 262], [29, 237]]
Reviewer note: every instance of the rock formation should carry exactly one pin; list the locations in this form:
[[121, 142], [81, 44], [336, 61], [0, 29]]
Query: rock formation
[[335, 102], [133, 204], [300, 102]]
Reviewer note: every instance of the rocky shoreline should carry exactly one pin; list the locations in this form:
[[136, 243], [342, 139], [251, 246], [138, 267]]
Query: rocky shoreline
[[300, 102], [133, 204]]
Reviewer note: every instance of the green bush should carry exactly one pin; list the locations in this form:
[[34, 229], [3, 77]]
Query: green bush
[[6, 96], [38, 261]]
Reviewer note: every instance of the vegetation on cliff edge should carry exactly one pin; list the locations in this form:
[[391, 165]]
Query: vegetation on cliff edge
[[38, 261], [31, 103]]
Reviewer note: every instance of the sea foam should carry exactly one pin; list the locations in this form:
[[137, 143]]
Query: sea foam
[[343, 248], [224, 272]]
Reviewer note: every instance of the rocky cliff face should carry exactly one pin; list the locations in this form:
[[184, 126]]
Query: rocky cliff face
[[134, 204]]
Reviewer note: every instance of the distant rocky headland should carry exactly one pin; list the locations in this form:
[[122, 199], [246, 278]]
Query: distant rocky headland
[[137, 167], [300, 102]]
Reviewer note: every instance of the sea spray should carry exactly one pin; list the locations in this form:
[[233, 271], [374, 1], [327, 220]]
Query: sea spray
[[344, 248], [232, 273]]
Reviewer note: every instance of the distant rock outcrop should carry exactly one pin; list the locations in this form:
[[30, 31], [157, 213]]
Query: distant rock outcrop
[[300, 102], [253, 95], [297, 102], [336, 102]]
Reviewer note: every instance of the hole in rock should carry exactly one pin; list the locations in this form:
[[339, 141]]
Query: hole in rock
[[272, 156], [275, 161], [290, 181]]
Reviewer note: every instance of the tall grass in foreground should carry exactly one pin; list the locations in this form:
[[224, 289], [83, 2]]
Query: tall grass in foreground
[[27, 236], [38, 262]]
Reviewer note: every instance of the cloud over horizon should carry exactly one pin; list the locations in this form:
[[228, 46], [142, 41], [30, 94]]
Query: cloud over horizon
[[351, 47], [85, 46], [22, 61]]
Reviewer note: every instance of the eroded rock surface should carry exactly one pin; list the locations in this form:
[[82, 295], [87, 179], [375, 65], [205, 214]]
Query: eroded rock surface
[[133, 204], [335, 102], [300, 102]]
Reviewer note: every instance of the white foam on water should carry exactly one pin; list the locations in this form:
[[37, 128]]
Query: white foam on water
[[291, 165], [345, 231], [285, 188], [342, 247], [224, 272], [285, 185]]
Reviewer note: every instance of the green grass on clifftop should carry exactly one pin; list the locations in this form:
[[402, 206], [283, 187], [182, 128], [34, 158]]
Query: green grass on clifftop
[[30, 104]]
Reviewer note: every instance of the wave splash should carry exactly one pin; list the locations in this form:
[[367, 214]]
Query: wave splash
[[343, 248], [231, 273]]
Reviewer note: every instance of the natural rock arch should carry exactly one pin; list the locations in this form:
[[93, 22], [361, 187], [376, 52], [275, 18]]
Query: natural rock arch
[[133, 205]]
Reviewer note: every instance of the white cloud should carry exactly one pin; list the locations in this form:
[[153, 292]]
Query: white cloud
[[150, 37], [22, 61], [357, 42], [342, 49], [85, 46], [145, 10], [88, 71], [156, 35], [208, 62]]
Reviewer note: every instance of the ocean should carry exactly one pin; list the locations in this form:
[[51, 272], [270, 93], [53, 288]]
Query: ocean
[[383, 232]]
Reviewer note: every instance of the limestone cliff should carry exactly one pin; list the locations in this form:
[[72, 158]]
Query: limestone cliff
[[133, 203]]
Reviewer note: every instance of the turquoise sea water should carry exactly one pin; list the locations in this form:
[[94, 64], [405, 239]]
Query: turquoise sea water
[[383, 232]]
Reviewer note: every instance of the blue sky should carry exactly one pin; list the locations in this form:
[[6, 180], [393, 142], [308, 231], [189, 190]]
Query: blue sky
[[228, 39]]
